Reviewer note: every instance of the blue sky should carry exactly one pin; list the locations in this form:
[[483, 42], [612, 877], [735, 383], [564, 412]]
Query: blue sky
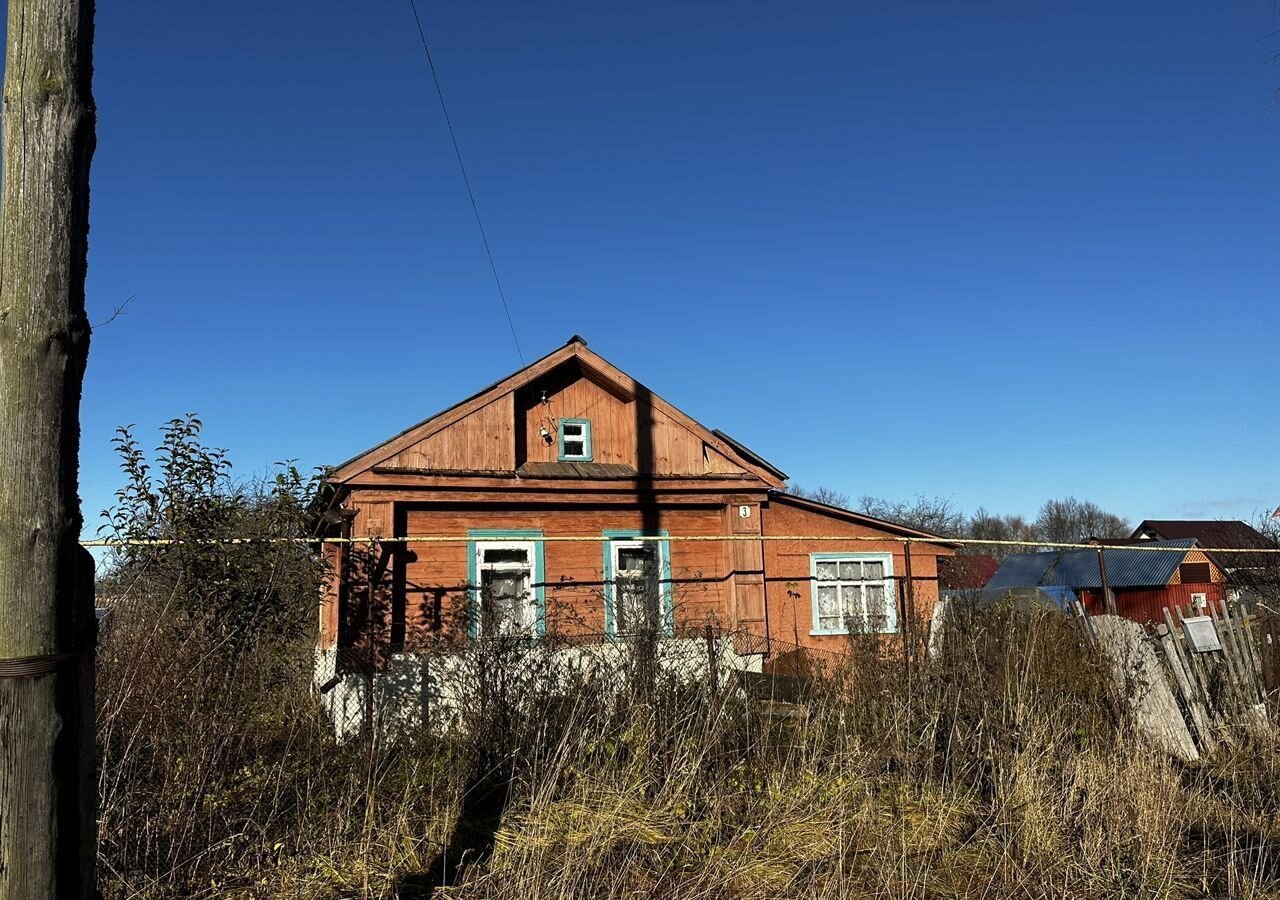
[[995, 252]]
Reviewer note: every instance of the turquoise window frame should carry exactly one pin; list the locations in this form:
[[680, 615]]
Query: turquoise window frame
[[477, 536], [891, 590], [586, 440], [666, 597]]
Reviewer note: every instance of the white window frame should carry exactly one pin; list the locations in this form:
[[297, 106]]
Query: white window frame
[[890, 594], [585, 438], [660, 547], [529, 620]]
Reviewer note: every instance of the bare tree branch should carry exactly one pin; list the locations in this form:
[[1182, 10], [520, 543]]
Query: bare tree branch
[[115, 315]]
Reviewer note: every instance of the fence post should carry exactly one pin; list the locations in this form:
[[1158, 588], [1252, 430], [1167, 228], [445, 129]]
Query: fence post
[[1184, 676], [1269, 650], [1230, 652], [713, 664], [908, 612]]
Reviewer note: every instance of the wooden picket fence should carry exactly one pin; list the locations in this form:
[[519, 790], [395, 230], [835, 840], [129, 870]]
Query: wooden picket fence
[[1268, 621], [1224, 688]]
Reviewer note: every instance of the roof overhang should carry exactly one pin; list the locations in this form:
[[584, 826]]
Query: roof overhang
[[848, 515]]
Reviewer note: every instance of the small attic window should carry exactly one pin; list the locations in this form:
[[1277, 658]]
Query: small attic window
[[1195, 573], [575, 440]]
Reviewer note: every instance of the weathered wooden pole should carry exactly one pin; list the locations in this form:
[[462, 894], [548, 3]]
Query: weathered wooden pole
[[1108, 598], [909, 615], [47, 829]]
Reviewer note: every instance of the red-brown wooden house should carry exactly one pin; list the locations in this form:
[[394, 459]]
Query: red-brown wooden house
[[572, 447]]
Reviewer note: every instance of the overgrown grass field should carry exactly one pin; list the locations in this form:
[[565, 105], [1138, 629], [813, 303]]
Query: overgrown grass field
[[1003, 766]]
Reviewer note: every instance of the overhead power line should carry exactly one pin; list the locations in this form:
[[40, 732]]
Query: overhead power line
[[694, 538], [466, 180]]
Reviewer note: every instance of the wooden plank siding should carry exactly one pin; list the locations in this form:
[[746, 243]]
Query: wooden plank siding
[[483, 440], [1147, 606], [329, 600], [758, 586], [527, 490], [569, 396], [788, 589], [668, 448], [747, 574], [507, 432], [435, 575]]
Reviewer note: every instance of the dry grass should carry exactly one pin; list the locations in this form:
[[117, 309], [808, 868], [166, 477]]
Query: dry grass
[[1004, 768]]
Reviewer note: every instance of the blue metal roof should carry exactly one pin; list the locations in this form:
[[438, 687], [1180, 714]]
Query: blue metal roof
[[1127, 567]]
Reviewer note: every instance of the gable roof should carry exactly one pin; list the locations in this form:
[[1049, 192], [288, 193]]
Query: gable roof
[[597, 367], [1212, 533], [1127, 567], [849, 515], [747, 453]]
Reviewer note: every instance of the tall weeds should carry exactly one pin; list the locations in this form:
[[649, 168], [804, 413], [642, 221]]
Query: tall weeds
[[1006, 767], [1004, 764]]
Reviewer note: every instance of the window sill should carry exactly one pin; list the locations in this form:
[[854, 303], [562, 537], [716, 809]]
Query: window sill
[[851, 633]]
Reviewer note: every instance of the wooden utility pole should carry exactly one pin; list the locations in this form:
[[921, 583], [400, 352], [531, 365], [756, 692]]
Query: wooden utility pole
[[1108, 598], [908, 612], [47, 828]]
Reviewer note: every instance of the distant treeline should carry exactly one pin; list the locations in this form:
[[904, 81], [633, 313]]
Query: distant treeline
[[1058, 521]]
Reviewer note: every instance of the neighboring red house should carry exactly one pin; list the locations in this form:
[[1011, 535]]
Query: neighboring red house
[[1143, 581], [966, 572], [1215, 535], [571, 446]]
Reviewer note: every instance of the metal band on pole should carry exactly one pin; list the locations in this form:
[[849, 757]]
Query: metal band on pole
[[33, 666]]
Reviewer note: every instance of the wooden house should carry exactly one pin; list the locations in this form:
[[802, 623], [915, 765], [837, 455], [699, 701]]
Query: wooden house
[[1243, 569], [569, 498], [1144, 580]]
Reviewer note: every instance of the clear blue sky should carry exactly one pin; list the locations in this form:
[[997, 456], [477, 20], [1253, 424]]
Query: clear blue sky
[[991, 251]]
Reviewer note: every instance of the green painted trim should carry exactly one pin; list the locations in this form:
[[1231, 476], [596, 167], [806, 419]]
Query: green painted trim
[[609, 627], [668, 599], [539, 574], [505, 532], [664, 559], [473, 593], [540, 589], [586, 440], [891, 625]]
